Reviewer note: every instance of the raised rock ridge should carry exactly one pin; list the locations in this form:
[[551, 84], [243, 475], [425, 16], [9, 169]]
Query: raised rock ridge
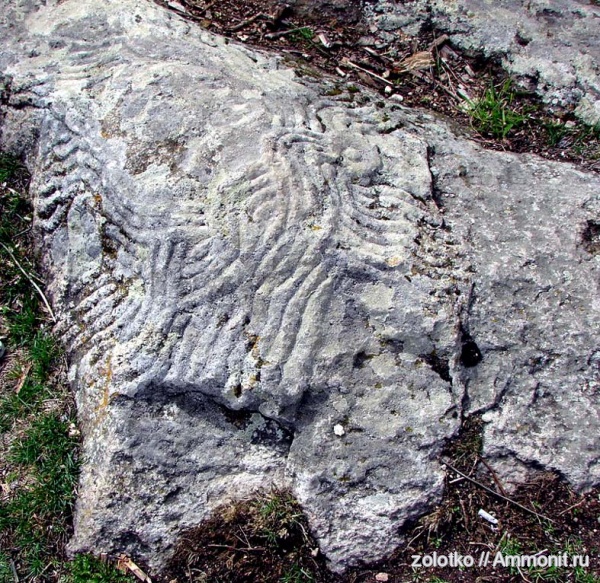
[[240, 264]]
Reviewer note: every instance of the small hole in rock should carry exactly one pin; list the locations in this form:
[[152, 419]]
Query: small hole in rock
[[470, 355], [591, 238], [521, 40], [360, 359]]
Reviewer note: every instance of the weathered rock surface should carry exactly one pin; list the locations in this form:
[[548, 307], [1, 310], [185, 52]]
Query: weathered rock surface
[[550, 46], [532, 230], [240, 264]]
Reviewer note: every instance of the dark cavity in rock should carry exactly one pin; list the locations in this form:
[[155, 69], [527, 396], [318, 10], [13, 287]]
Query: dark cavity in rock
[[470, 354], [591, 237]]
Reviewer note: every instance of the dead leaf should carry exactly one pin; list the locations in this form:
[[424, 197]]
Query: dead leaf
[[126, 564], [366, 79], [23, 378], [421, 60]]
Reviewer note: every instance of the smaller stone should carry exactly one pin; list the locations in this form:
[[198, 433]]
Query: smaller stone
[[388, 90], [382, 577], [339, 430], [397, 97], [73, 431]]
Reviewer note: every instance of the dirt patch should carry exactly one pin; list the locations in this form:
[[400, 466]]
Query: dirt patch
[[258, 540], [342, 12]]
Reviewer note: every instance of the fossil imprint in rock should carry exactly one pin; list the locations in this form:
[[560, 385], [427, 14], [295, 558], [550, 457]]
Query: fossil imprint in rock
[[241, 267]]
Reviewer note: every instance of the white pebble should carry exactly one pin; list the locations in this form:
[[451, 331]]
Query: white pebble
[[487, 516]]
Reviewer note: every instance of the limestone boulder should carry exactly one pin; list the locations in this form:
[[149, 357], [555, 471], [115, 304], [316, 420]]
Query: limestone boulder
[[259, 284]]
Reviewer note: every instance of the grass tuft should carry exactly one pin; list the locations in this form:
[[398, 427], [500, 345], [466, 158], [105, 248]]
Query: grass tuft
[[305, 33], [43, 505], [493, 114], [9, 166], [296, 574], [88, 569], [32, 376], [38, 449]]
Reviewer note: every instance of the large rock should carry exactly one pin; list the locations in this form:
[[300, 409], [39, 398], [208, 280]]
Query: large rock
[[241, 265], [533, 234], [550, 46]]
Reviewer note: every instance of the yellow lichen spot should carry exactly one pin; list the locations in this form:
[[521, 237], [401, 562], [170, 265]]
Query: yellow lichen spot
[[107, 372], [107, 375], [105, 399], [393, 261], [255, 351], [316, 228]]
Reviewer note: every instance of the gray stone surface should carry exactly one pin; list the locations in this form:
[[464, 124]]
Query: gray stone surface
[[549, 46], [241, 264], [532, 230]]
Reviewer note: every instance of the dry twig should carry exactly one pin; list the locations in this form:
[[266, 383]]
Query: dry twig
[[22, 379], [438, 42], [494, 476], [35, 285], [14, 571], [483, 487], [355, 66], [571, 507], [246, 22], [239, 549]]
